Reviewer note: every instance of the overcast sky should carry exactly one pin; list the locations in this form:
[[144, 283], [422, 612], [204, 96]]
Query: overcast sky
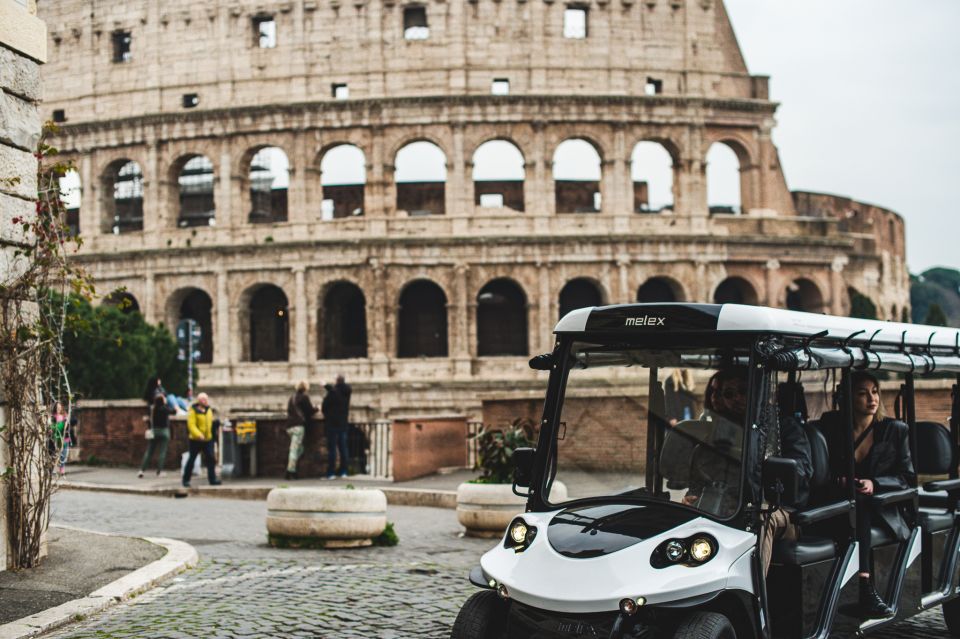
[[870, 105]]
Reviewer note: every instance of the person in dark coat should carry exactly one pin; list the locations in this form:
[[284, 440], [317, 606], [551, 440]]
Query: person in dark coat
[[300, 412], [160, 414], [882, 463], [335, 409]]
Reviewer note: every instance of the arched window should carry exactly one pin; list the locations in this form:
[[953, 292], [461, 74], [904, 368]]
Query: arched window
[[576, 177], [421, 177], [804, 295], [659, 289], [498, 176], [269, 325], [735, 290], [342, 323], [723, 179], [123, 301], [422, 326], [123, 192], [501, 319], [71, 193], [651, 168], [579, 293], [269, 180], [195, 187], [197, 305], [343, 176]]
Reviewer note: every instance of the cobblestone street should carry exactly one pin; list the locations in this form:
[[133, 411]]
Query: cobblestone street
[[243, 588]]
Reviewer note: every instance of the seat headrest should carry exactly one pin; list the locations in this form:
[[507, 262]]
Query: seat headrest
[[935, 453], [819, 455]]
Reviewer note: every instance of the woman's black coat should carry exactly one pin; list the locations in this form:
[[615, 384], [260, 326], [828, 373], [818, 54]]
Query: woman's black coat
[[888, 465]]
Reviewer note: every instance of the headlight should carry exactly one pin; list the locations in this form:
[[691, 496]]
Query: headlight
[[692, 551], [675, 550], [519, 535], [701, 549], [518, 531]]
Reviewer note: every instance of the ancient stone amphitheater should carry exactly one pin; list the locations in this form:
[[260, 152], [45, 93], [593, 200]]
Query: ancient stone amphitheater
[[411, 193]]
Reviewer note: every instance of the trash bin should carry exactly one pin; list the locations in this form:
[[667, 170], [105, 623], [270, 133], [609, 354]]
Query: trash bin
[[230, 462]]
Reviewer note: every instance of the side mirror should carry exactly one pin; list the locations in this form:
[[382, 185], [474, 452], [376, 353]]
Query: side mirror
[[523, 466], [542, 362], [781, 485]]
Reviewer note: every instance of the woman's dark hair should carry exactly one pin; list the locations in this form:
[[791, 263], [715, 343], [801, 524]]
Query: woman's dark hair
[[710, 391], [150, 392], [859, 377]]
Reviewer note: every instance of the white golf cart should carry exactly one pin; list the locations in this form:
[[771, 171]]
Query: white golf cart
[[660, 536]]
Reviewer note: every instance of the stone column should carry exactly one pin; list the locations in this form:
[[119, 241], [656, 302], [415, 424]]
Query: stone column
[[624, 294], [150, 299], [463, 344], [538, 192], [224, 200], [221, 337], [838, 290], [379, 322], [297, 211], [300, 319], [456, 188], [771, 270], [547, 319], [156, 203], [89, 207]]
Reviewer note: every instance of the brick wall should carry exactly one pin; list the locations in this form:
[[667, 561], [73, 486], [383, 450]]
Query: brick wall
[[422, 446]]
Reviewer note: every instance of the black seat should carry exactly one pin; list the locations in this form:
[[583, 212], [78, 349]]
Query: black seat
[[806, 550], [933, 520], [810, 549], [935, 456]]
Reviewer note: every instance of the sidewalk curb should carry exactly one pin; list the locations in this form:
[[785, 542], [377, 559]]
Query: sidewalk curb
[[395, 496], [180, 556]]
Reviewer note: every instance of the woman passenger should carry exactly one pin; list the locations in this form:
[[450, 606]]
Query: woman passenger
[[882, 464]]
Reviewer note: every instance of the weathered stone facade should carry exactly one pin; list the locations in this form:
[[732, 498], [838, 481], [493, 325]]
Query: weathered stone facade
[[22, 51], [191, 79]]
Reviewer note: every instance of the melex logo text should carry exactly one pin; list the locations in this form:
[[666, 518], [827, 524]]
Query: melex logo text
[[646, 320]]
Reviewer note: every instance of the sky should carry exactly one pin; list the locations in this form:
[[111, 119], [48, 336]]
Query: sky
[[870, 105]]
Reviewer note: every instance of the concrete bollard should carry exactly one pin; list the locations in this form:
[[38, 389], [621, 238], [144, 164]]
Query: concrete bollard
[[485, 510], [325, 517]]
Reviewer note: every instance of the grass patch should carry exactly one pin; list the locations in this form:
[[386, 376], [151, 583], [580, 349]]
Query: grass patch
[[388, 537]]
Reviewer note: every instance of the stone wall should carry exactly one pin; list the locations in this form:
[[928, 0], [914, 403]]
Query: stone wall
[[422, 446]]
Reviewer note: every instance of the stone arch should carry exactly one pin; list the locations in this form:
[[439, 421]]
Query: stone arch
[[71, 193], [123, 301], [267, 175], [735, 290], [422, 320], [420, 177], [121, 190], [577, 175], [193, 303], [265, 324], [343, 179], [498, 175], [502, 319], [727, 166], [660, 289], [193, 179], [653, 168], [803, 294], [580, 292], [342, 322]]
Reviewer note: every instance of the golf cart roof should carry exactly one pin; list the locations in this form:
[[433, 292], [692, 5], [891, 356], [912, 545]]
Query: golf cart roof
[[626, 322]]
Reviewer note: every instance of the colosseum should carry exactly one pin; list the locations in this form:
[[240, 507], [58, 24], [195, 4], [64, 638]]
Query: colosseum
[[412, 193]]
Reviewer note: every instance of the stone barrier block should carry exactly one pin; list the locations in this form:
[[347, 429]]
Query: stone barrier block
[[335, 517]]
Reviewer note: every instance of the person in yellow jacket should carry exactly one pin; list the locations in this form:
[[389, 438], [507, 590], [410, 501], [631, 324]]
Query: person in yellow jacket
[[200, 431]]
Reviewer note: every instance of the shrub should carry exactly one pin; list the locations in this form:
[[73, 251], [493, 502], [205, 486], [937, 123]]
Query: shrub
[[495, 448]]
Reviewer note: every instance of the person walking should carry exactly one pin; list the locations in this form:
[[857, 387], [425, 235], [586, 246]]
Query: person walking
[[159, 439], [335, 407], [300, 412], [200, 431], [60, 435]]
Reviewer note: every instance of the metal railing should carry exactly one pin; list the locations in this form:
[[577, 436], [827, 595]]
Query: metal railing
[[473, 429], [370, 445]]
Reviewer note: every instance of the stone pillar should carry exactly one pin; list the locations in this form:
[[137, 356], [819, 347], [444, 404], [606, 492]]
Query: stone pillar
[[221, 336], [624, 295], [463, 345], [547, 319], [156, 203], [771, 270], [89, 207], [456, 190], [618, 198], [150, 299], [539, 196], [375, 193], [838, 290], [297, 211], [224, 196], [299, 319], [379, 321]]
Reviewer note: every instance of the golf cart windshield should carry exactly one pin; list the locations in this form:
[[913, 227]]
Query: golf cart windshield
[[649, 423]]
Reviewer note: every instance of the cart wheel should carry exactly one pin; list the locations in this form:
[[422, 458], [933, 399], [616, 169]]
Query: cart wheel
[[483, 616], [705, 625], [951, 615]]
